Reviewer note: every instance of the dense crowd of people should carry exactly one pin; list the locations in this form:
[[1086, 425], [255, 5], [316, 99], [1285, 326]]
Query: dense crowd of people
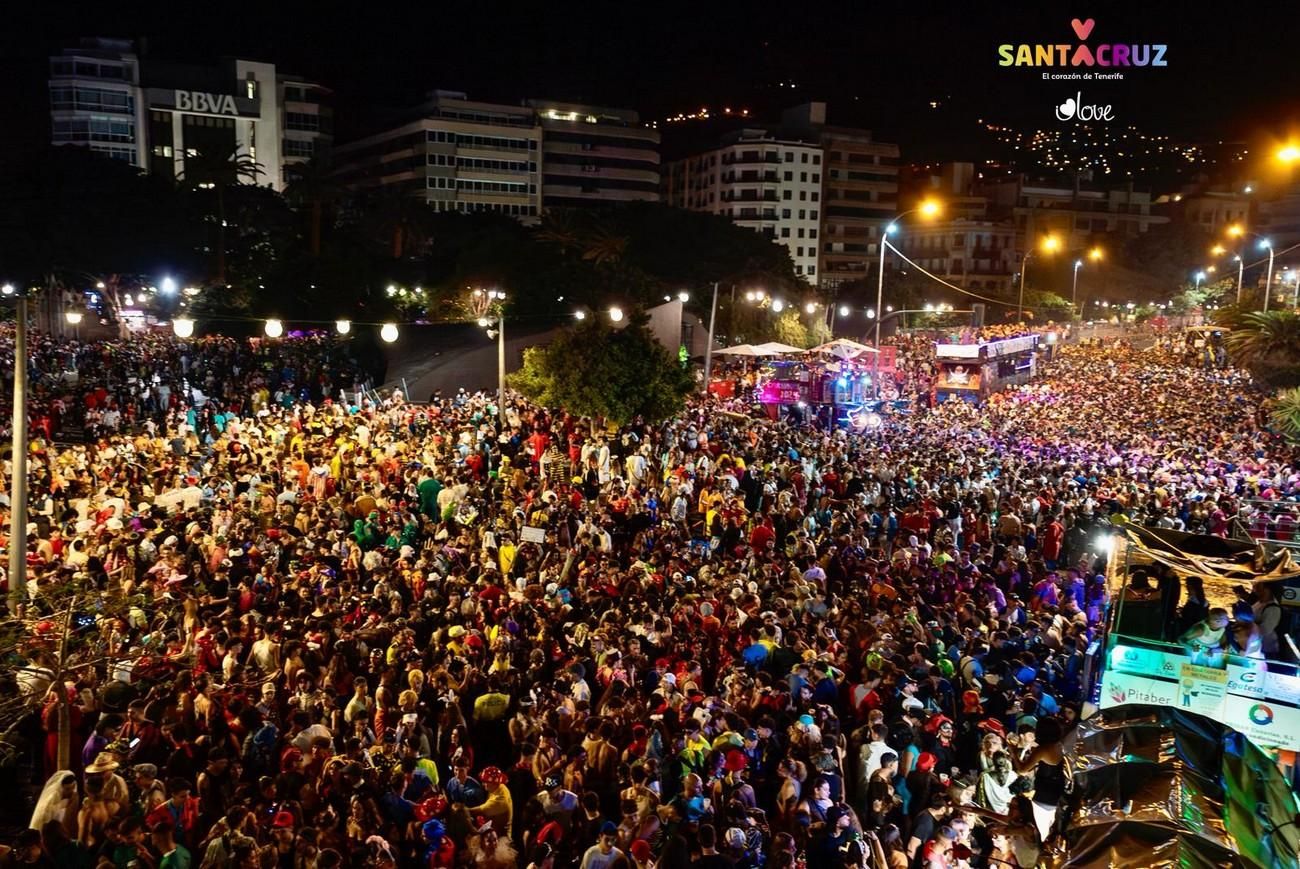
[[309, 632], [109, 386]]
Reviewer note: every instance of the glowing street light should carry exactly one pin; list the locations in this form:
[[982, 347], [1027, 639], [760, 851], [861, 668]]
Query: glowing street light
[[616, 314], [7, 289], [683, 297], [73, 317], [778, 305], [1218, 250], [844, 310], [1050, 243], [810, 307], [928, 208], [343, 326], [1288, 154], [183, 327], [580, 315], [167, 285], [273, 328], [388, 332], [1268, 279]]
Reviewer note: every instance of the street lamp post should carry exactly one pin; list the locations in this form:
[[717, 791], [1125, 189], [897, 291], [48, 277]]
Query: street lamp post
[[1268, 279], [708, 348], [929, 207], [1050, 243], [1241, 267], [1074, 286], [18, 460]]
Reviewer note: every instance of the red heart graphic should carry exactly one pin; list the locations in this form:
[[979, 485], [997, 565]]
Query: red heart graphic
[[1082, 29]]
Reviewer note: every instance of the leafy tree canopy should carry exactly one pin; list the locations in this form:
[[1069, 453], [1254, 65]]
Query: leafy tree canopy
[[596, 370]]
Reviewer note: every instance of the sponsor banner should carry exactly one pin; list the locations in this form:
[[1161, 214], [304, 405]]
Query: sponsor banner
[[1146, 662], [529, 534], [1202, 689], [1268, 724], [1118, 689]]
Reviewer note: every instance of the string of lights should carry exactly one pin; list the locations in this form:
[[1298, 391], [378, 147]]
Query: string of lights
[[950, 286]]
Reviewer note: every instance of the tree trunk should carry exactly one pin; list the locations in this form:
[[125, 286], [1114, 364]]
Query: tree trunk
[[64, 756]]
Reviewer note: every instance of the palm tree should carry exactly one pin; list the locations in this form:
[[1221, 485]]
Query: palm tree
[[218, 169], [1284, 414], [401, 220], [1267, 343], [313, 184], [601, 247], [561, 227]]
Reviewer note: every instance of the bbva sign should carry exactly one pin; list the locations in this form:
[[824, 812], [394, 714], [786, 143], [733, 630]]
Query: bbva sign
[[208, 104]]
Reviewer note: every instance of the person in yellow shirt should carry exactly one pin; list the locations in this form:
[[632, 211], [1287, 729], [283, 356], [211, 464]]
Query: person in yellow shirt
[[498, 807], [506, 556]]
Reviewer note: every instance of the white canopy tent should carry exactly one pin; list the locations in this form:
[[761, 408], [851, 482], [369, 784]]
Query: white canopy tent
[[843, 348], [738, 350], [776, 348]]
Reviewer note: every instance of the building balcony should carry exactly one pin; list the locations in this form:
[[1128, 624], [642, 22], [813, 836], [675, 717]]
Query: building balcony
[[751, 161]]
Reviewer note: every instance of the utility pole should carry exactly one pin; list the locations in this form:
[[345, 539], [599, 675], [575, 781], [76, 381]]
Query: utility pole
[[708, 348], [18, 460]]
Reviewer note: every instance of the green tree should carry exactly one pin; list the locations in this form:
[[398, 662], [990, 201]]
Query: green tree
[[598, 371], [1284, 414], [218, 169], [790, 329], [1267, 343]]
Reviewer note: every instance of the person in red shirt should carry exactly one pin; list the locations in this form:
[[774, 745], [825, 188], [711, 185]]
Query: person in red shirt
[[762, 534], [1050, 542]]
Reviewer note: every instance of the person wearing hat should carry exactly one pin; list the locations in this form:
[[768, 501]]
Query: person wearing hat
[[498, 808], [107, 797], [150, 792]]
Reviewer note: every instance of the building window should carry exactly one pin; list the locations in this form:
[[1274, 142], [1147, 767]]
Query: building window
[[812, 215], [803, 158], [803, 177], [812, 233], [798, 269], [785, 214], [803, 195], [812, 270], [786, 194], [785, 232], [801, 232], [298, 148], [86, 99], [817, 177], [302, 121], [250, 88], [789, 176], [815, 196], [817, 160], [801, 214], [789, 156]]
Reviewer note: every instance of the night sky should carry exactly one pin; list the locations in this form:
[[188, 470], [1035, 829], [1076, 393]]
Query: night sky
[[878, 65]]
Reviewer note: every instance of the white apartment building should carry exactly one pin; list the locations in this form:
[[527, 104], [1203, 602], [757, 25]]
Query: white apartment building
[[763, 182], [157, 115], [455, 154], [95, 100]]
